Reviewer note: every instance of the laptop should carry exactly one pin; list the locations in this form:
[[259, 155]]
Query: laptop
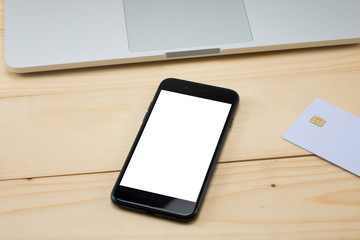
[[43, 35]]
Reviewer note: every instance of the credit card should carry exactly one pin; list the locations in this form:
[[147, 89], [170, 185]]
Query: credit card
[[330, 133]]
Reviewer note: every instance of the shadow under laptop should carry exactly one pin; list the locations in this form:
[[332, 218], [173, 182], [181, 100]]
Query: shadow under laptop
[[188, 61]]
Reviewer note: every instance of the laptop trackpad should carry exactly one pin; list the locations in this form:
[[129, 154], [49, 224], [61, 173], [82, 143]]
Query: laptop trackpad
[[171, 24]]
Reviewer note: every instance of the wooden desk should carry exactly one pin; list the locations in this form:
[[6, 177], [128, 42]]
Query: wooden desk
[[64, 136]]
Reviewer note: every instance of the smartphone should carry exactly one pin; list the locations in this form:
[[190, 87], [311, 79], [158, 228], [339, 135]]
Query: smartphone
[[171, 161]]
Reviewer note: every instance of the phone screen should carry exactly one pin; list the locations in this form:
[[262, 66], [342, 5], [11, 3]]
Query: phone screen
[[176, 146]]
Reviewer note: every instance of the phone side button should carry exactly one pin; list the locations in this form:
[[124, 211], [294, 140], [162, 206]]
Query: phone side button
[[231, 122], [145, 116]]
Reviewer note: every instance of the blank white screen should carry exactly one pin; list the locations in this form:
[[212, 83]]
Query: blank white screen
[[176, 146]]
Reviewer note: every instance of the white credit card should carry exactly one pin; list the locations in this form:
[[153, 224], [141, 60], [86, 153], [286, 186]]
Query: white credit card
[[330, 133]]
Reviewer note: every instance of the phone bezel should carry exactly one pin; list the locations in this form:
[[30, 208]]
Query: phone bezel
[[162, 205]]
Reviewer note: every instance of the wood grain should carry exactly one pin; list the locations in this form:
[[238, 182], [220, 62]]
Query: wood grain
[[299, 198], [85, 120], [1, 15], [65, 134]]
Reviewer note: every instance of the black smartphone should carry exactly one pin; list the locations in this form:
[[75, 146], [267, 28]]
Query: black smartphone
[[174, 154]]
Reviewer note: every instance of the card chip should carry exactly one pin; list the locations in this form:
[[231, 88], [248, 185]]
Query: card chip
[[318, 121]]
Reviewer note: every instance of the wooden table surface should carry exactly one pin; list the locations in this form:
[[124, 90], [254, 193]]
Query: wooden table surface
[[64, 136]]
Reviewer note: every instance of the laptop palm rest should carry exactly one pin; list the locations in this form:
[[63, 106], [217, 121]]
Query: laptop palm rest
[[173, 24]]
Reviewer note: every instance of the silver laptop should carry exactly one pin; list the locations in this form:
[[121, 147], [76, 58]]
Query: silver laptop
[[45, 35]]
